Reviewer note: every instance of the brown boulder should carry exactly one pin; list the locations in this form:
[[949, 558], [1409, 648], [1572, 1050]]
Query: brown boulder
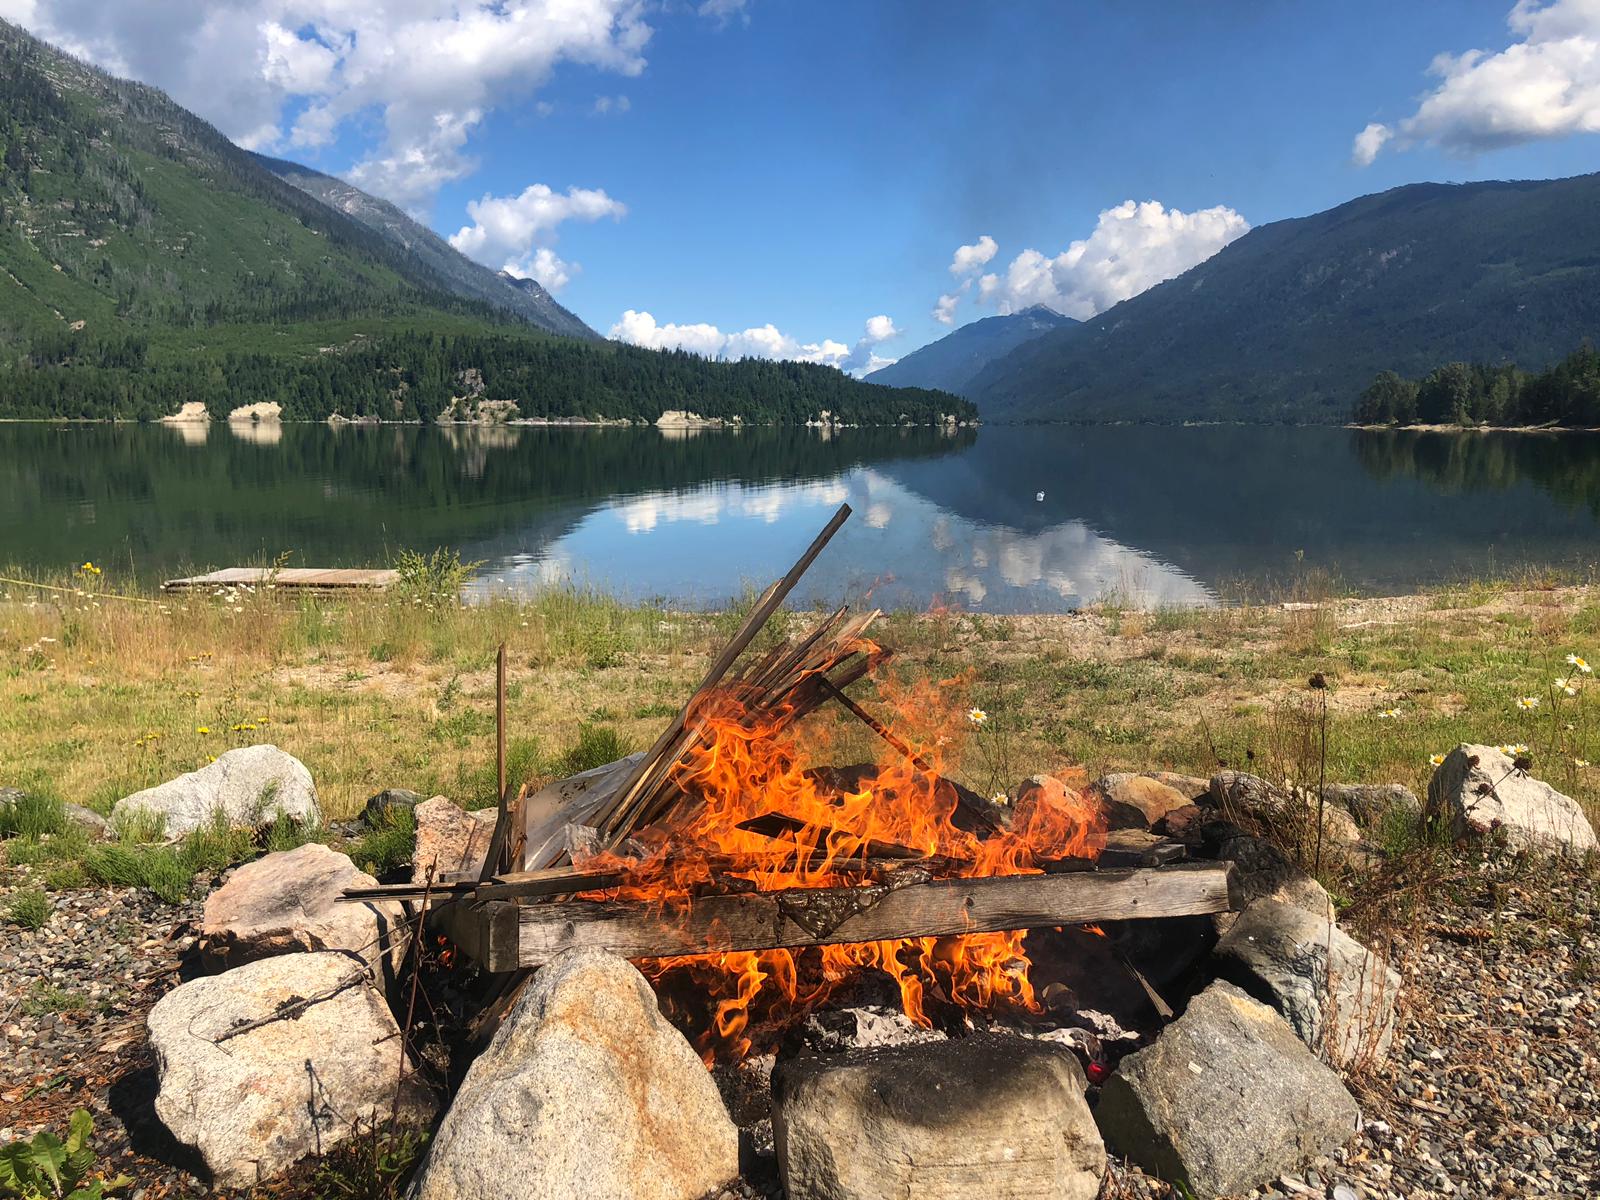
[[449, 839]]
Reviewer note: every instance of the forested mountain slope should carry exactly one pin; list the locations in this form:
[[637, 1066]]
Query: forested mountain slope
[[1291, 322], [146, 261], [526, 298]]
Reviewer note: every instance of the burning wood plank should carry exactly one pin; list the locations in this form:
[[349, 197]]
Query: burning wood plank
[[506, 937]]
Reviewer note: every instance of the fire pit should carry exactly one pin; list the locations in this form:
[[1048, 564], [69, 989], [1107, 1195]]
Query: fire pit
[[752, 887]]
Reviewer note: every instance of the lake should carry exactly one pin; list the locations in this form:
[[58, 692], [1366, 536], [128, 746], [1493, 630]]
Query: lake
[[1001, 519]]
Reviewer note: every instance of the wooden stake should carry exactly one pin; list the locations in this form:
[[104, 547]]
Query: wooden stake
[[502, 822]]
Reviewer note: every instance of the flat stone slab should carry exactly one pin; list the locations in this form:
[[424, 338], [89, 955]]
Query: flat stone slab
[[1003, 1118]]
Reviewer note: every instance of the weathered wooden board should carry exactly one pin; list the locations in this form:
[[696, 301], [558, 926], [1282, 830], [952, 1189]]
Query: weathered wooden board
[[288, 577], [822, 916]]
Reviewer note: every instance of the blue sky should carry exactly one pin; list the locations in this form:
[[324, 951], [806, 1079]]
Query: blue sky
[[810, 166]]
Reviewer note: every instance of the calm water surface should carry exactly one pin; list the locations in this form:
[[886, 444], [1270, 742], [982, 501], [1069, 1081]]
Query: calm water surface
[[1157, 515]]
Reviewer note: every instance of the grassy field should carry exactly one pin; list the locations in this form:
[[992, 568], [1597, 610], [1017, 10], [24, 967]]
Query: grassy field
[[104, 696]]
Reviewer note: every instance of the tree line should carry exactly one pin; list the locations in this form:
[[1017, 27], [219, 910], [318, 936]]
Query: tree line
[[419, 376], [1567, 394]]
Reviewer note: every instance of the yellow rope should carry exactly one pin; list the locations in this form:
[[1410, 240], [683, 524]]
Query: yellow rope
[[50, 587]]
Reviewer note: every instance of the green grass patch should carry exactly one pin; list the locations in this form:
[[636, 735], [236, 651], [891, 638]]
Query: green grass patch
[[29, 908]]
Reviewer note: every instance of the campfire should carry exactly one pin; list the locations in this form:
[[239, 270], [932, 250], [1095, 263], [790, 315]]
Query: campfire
[[753, 882]]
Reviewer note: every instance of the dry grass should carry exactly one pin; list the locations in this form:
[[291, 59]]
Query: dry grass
[[376, 691]]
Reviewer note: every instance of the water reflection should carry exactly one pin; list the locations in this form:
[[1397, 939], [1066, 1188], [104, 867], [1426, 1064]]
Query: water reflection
[[1000, 520]]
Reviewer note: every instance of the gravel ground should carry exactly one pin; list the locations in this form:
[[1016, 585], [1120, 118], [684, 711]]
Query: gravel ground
[[73, 998], [1493, 1088]]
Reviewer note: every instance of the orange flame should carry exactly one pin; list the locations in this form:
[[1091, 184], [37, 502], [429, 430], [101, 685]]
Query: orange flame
[[747, 766]]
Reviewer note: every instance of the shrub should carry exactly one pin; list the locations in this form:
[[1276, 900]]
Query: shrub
[[597, 746], [391, 844], [29, 908], [374, 1164], [31, 816]]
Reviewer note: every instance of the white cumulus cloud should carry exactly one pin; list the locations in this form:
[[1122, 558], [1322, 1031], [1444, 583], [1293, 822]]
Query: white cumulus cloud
[[1133, 247], [1368, 142], [1546, 84], [944, 309], [429, 70], [514, 232], [545, 265], [759, 341], [968, 259]]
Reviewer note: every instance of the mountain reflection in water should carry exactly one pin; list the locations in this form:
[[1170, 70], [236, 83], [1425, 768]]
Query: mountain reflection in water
[[1001, 519]]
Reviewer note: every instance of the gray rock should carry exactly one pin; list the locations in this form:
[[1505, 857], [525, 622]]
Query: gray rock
[[382, 806], [1372, 803], [1337, 994], [585, 1093], [86, 819], [998, 1117], [290, 902], [1477, 790], [1227, 1098], [253, 786], [1238, 794], [255, 1099], [1265, 872], [450, 840]]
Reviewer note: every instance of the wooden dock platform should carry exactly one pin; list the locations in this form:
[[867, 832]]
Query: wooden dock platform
[[307, 578]]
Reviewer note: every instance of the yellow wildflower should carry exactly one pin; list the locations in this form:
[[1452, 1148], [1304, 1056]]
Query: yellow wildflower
[[202, 729], [1436, 759]]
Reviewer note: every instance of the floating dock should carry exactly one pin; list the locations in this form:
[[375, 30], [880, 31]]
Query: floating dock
[[307, 578]]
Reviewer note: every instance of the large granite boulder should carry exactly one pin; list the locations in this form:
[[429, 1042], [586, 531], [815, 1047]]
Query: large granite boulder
[[1478, 791], [1135, 801], [276, 1060], [1337, 994], [450, 840], [585, 1093], [289, 902], [251, 786], [1227, 1098], [998, 1117]]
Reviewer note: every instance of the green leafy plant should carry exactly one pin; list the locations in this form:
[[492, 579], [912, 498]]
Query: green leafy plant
[[437, 576], [47, 1168]]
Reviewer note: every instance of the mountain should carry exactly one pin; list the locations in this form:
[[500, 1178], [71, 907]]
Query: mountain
[[951, 362], [147, 261], [1292, 321], [525, 298]]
